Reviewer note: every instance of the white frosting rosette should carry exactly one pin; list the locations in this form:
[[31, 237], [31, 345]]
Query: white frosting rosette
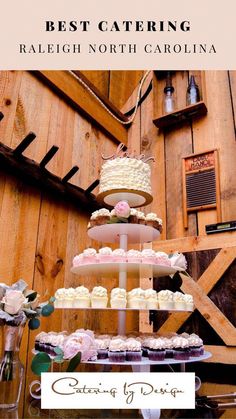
[[101, 343], [118, 293], [180, 342], [81, 291], [133, 345], [156, 344], [165, 300], [117, 345], [103, 212], [99, 292], [105, 251], [89, 252]]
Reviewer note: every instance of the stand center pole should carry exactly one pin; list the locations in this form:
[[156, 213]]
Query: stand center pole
[[122, 284]]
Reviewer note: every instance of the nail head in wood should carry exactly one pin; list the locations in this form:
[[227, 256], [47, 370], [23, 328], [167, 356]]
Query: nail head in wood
[[48, 156], [24, 143], [71, 173]]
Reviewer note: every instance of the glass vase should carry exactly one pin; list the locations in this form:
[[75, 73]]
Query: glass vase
[[11, 368]]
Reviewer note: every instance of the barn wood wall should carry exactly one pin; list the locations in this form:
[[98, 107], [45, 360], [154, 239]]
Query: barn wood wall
[[32, 224]]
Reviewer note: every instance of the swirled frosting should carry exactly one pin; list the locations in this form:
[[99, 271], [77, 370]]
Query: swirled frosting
[[119, 252], [101, 344], [180, 342], [136, 293], [165, 295], [156, 343], [90, 252], [99, 292], [188, 298], [133, 345], [117, 345], [105, 251], [153, 217], [178, 296], [118, 293], [150, 294], [82, 291], [100, 213]]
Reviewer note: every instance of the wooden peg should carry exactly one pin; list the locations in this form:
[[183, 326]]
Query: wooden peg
[[48, 156], [24, 143], [71, 173], [92, 186]]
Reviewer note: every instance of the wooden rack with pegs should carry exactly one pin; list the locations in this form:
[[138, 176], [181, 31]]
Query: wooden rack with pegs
[[14, 162]]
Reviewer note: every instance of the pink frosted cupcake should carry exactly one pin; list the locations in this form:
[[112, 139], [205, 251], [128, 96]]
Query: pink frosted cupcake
[[78, 260], [119, 256], [148, 256], [162, 259], [90, 256], [105, 255], [134, 256]]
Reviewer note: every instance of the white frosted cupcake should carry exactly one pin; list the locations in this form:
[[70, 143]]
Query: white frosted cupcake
[[117, 350], [59, 298], [179, 300], [148, 256], [119, 255], [89, 256], [118, 298], [153, 221], [102, 348], [156, 349], [99, 298], [189, 305], [134, 256], [78, 260], [133, 218], [133, 350], [136, 299], [141, 217], [165, 300], [162, 259], [69, 298], [100, 217], [82, 297], [151, 299], [105, 255]]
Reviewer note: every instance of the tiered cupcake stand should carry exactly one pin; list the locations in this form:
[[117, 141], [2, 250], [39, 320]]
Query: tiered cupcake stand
[[125, 234]]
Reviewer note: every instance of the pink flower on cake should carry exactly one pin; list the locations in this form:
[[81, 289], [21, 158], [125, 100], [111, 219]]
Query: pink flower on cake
[[122, 209], [79, 342], [13, 301]]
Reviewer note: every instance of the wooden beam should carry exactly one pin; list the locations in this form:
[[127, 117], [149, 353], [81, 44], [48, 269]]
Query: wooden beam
[[207, 281], [64, 83], [197, 243], [221, 354]]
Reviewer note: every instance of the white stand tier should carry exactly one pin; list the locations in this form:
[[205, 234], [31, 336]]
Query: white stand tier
[[134, 197], [136, 233], [145, 361], [110, 268]]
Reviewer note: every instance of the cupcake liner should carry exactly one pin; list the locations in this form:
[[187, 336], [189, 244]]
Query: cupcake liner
[[134, 356], [156, 355], [117, 356]]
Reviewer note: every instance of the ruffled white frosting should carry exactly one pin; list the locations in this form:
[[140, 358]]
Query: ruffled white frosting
[[196, 339], [156, 343], [150, 294], [165, 295], [118, 293], [188, 298], [178, 296], [136, 293], [60, 294], [128, 173], [81, 291], [148, 253], [105, 251], [99, 292], [133, 211], [89, 252], [153, 217], [162, 255], [117, 345], [180, 342], [100, 213], [140, 215], [134, 253], [77, 259], [101, 344], [119, 252], [133, 345]]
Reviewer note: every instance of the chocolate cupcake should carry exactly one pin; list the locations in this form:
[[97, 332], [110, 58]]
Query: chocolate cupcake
[[156, 349], [117, 350], [133, 350], [152, 220], [181, 348]]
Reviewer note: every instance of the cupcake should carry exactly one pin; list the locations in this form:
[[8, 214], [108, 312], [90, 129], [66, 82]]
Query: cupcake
[[82, 297], [148, 256], [136, 299], [69, 297], [151, 299], [119, 255], [59, 298], [105, 255], [179, 301], [117, 350], [195, 345], [141, 217], [165, 300], [102, 348], [118, 298], [156, 349], [99, 298], [162, 259], [133, 350], [152, 220], [133, 218], [134, 256], [100, 217], [90, 256], [181, 348], [168, 347], [188, 298], [78, 260]]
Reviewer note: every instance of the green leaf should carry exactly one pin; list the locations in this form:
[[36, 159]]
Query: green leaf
[[59, 359], [74, 362], [58, 350], [40, 363], [34, 324], [47, 310]]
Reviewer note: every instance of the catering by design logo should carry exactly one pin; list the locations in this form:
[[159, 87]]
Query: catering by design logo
[[121, 390]]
